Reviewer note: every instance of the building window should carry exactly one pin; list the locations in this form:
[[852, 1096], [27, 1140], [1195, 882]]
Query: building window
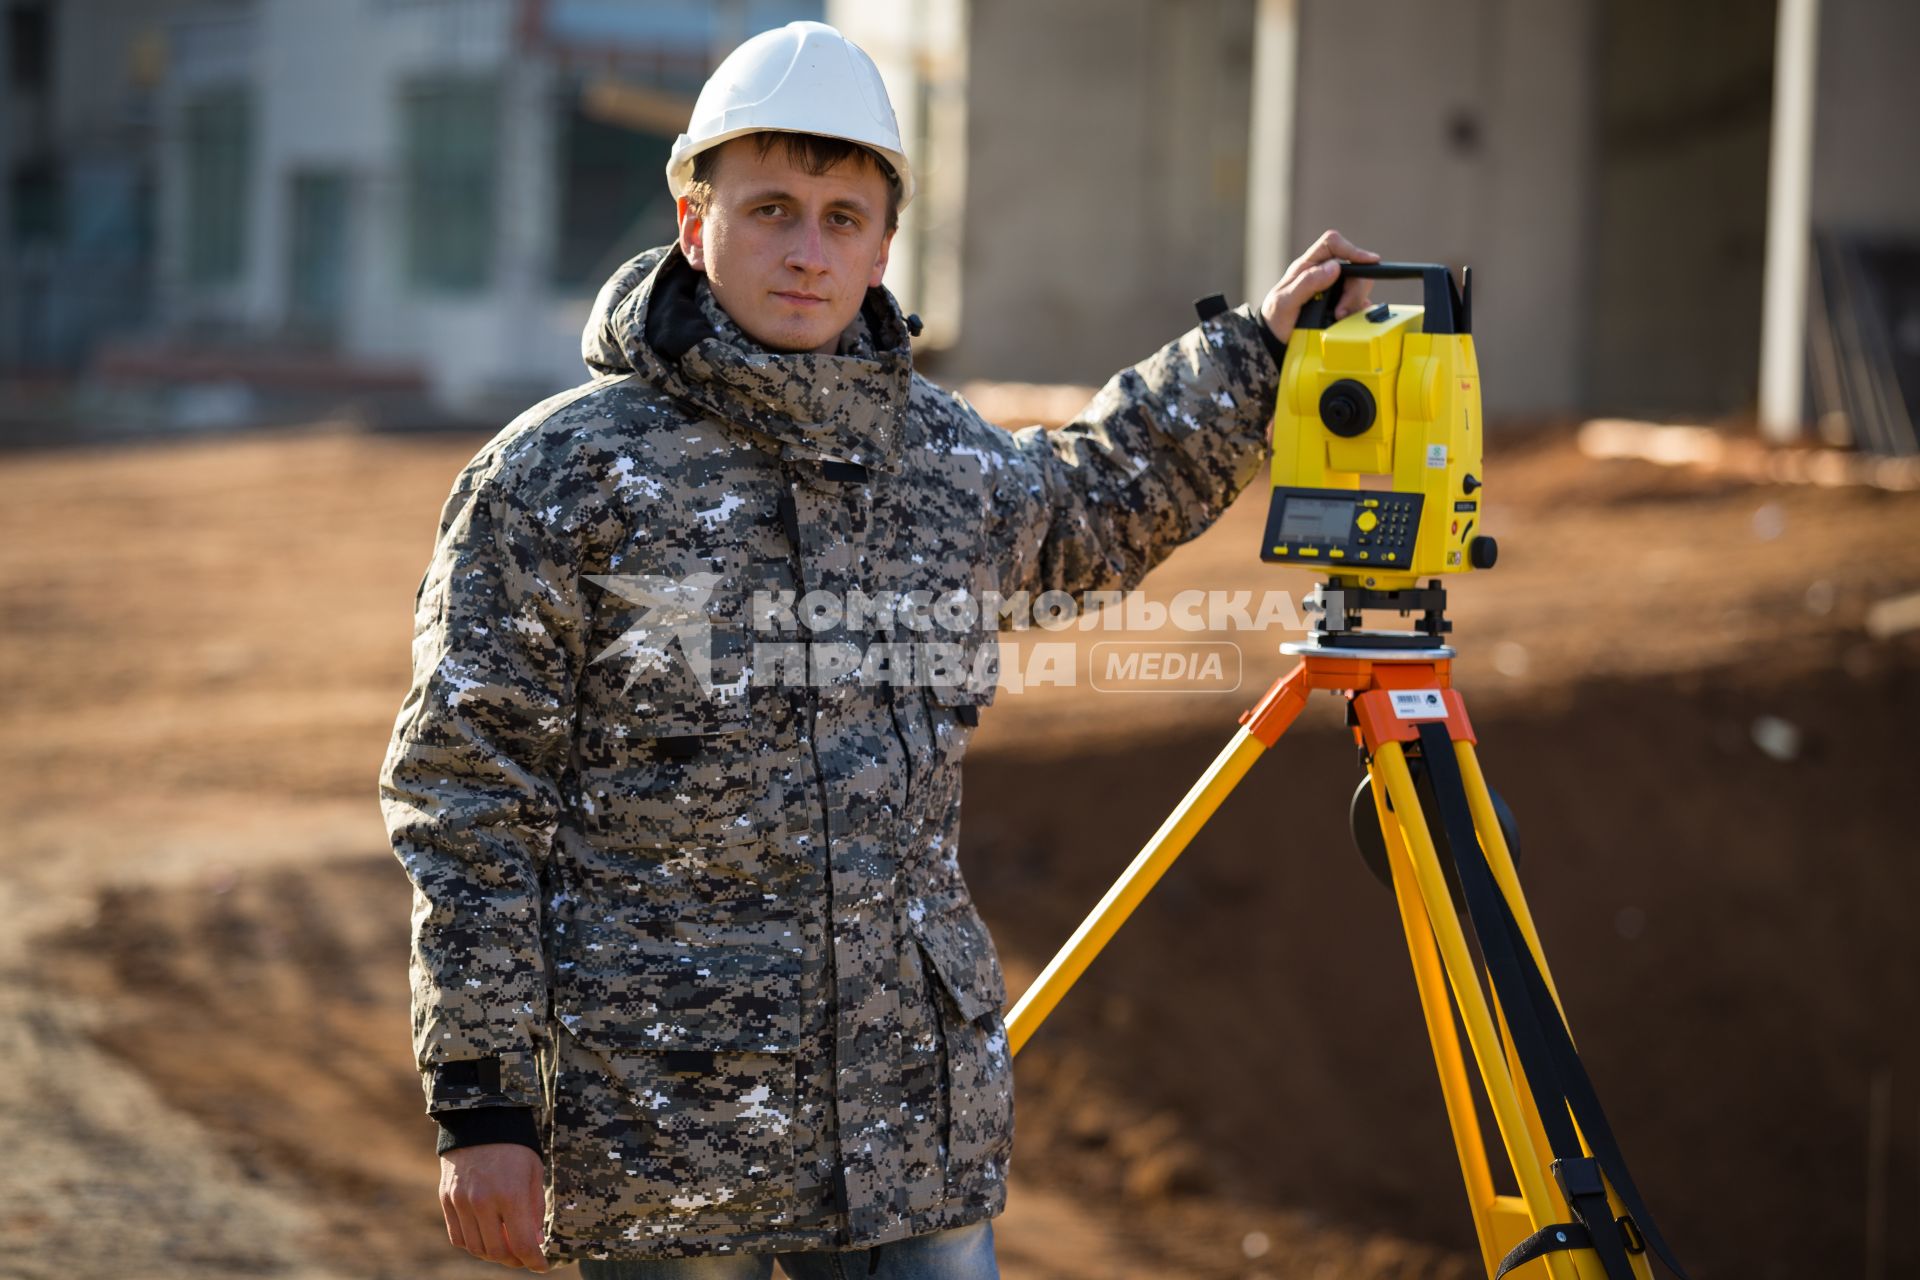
[[613, 195], [36, 204], [451, 130], [219, 136], [30, 47]]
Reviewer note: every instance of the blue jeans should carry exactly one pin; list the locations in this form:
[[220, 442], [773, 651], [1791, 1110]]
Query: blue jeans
[[958, 1253]]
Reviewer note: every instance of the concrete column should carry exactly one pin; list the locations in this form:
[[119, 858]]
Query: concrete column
[[1276, 45], [1783, 319]]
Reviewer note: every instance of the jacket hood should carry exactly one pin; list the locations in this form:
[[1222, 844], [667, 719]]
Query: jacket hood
[[654, 319]]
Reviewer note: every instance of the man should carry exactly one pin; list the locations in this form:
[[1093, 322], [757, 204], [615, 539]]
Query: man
[[697, 978]]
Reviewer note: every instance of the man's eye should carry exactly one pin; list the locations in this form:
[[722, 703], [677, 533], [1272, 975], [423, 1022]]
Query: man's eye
[[768, 209], [842, 220]]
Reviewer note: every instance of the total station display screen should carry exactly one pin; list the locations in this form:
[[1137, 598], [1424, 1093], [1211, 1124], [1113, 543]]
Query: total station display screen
[[1329, 518]]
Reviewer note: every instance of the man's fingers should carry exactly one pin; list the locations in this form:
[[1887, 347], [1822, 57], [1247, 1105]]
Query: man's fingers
[[523, 1242], [455, 1236], [1314, 272], [1353, 297], [471, 1238], [1331, 245], [494, 1195], [1326, 248], [1336, 245], [480, 1233], [488, 1220], [523, 1214], [1311, 280]]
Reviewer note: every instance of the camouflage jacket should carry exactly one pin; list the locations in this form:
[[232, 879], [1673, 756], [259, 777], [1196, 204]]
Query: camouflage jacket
[[713, 933]]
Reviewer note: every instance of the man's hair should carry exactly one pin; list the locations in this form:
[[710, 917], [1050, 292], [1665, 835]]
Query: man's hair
[[810, 152]]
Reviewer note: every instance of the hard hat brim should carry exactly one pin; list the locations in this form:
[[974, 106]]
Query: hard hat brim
[[680, 167]]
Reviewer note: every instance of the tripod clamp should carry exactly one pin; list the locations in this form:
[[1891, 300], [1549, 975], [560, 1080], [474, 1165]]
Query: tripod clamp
[[1339, 605]]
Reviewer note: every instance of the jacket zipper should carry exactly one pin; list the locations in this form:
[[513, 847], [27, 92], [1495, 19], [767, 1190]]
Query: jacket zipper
[[790, 517]]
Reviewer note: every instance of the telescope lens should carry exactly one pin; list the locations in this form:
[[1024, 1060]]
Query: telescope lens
[[1347, 408]]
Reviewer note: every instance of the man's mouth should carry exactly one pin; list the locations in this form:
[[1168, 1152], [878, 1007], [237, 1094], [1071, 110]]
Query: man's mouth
[[800, 299]]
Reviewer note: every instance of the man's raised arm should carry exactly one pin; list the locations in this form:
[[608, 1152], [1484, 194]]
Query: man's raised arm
[[1160, 451]]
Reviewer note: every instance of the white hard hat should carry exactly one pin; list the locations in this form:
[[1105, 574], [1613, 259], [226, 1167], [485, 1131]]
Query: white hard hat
[[804, 77]]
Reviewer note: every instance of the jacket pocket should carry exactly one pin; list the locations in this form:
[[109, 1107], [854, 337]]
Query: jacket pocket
[[976, 1066], [954, 710], [668, 764], [975, 673], [979, 1071], [685, 985], [924, 1129], [961, 951], [675, 1089], [643, 1133]]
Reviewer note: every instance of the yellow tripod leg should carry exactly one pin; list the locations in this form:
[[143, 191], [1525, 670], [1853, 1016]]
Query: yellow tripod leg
[[1430, 979], [1512, 1221], [1538, 1200], [1168, 843], [1493, 842]]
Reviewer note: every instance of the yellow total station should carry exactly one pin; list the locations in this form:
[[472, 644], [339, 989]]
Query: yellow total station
[[1376, 437]]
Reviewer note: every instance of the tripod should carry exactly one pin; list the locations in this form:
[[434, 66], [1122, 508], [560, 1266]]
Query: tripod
[[1577, 1211]]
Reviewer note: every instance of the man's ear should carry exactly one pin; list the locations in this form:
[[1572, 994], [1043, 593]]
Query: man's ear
[[879, 271], [692, 231]]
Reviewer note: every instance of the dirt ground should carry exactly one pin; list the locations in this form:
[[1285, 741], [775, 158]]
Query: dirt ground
[[203, 1034]]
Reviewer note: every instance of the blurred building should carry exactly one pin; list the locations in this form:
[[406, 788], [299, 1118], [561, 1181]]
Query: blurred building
[[1604, 164], [1088, 180], [356, 195], [79, 126], [443, 183], [420, 196]]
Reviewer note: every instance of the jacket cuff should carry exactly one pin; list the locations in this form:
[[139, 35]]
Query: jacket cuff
[[507, 1079], [479, 1126], [1260, 383], [1275, 348]]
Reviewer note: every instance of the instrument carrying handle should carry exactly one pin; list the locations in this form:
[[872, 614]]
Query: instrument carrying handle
[[1447, 306]]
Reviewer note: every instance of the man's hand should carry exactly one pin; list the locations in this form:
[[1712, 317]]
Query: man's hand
[[493, 1196], [1311, 272]]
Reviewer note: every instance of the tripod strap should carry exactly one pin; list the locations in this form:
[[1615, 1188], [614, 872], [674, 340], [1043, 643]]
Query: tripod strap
[[1562, 1091], [1552, 1239], [1564, 1235]]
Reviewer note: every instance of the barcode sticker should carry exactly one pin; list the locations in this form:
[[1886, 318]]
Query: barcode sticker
[[1418, 704]]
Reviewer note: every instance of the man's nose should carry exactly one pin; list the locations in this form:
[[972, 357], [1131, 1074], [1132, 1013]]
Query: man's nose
[[807, 250]]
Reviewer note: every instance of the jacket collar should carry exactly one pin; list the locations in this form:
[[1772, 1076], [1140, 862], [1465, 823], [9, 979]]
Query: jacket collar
[[851, 406]]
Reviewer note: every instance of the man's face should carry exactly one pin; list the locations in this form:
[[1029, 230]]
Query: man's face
[[789, 255]]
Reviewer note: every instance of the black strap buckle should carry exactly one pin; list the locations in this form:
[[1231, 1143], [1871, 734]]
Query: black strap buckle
[[1579, 1177], [456, 1079]]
